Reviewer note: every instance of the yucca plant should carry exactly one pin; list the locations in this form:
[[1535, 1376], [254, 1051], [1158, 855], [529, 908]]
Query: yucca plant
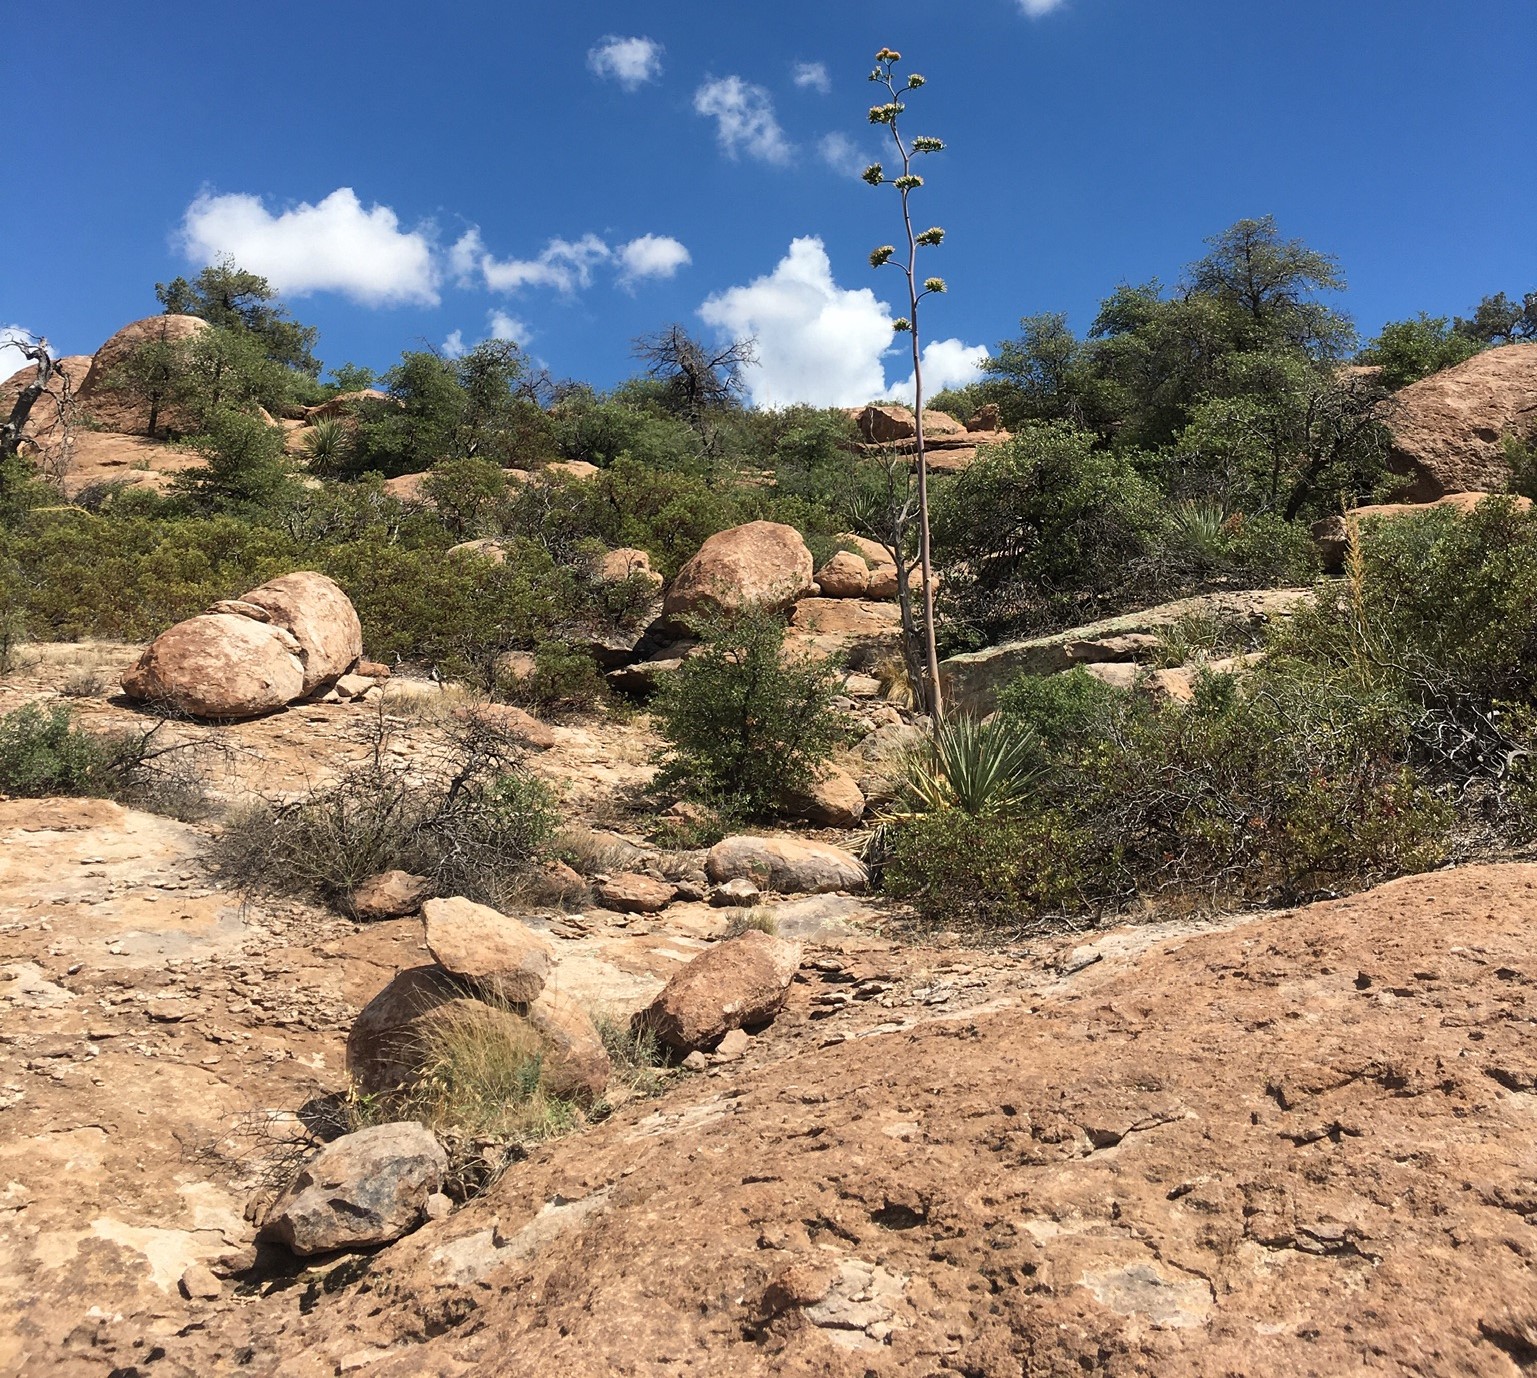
[[326, 444], [1199, 525], [980, 766]]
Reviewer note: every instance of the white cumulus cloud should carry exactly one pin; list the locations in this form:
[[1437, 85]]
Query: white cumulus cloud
[[744, 119], [1036, 8], [500, 326], [335, 245], [946, 364], [563, 264], [842, 154], [11, 358], [632, 62], [813, 76], [650, 256], [823, 344]]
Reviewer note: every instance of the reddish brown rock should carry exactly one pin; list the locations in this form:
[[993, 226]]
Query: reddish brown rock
[[576, 1065], [108, 407], [846, 575], [320, 618], [220, 666], [519, 724], [832, 801], [494, 953], [629, 893], [740, 983], [628, 563], [58, 405], [883, 425], [761, 564], [362, 1189], [389, 895], [1449, 429], [347, 403]]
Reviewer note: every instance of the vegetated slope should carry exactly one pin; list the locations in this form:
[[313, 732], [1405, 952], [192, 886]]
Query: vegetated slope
[[1300, 1145]]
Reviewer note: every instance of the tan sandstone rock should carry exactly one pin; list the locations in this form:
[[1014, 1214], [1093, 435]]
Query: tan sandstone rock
[[219, 665], [629, 893], [576, 1065], [321, 619], [1332, 534], [846, 575], [833, 800], [790, 865], [389, 895], [739, 983], [109, 408], [1448, 429], [493, 952], [762, 564]]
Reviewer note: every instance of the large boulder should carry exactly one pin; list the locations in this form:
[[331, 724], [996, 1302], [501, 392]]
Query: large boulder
[[762, 564], [576, 1065], [107, 405], [219, 665], [360, 1190], [321, 619], [346, 404], [252, 654], [790, 865], [846, 575], [494, 953], [1448, 429], [887, 425], [832, 800], [738, 984], [391, 1035]]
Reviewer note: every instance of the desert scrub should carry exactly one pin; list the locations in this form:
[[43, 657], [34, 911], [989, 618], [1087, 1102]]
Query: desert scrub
[[743, 721], [47, 753], [471, 819], [479, 1090]]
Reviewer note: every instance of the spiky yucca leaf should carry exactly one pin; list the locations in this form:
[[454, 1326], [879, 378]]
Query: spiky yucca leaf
[[980, 767]]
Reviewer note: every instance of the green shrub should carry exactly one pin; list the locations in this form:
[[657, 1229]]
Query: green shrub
[[744, 721], [45, 753]]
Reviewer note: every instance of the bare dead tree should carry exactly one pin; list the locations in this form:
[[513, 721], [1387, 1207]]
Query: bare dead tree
[[700, 381], [55, 455]]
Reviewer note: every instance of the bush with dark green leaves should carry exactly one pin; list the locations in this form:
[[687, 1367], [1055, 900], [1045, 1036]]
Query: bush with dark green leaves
[[744, 721]]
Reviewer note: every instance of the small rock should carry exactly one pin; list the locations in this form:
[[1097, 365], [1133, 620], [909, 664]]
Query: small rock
[[736, 894], [695, 1062], [365, 1188], [198, 1283], [740, 982], [732, 1046], [438, 1206], [690, 891], [389, 895], [629, 893], [480, 945]]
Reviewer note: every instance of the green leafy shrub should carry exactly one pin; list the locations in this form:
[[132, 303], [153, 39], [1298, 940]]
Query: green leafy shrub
[[744, 721]]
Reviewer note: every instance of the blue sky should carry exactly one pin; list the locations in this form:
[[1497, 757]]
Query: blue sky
[[580, 174]]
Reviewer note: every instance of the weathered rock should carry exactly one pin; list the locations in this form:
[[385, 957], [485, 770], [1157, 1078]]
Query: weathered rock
[[883, 425], [846, 575], [762, 564], [344, 404], [389, 895], [972, 682], [833, 800], [219, 665], [319, 616], [732, 1045], [739, 983], [576, 1065], [1449, 429], [254, 653], [57, 408], [1332, 534], [353, 686], [985, 418], [519, 724], [737, 893], [198, 1283], [495, 953], [486, 549], [109, 407], [361, 1189], [628, 563], [635, 894], [790, 865]]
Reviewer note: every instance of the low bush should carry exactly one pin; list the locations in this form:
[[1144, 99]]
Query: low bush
[[472, 820], [743, 720]]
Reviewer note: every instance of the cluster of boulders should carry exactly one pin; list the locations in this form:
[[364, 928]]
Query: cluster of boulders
[[949, 446], [288, 639]]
